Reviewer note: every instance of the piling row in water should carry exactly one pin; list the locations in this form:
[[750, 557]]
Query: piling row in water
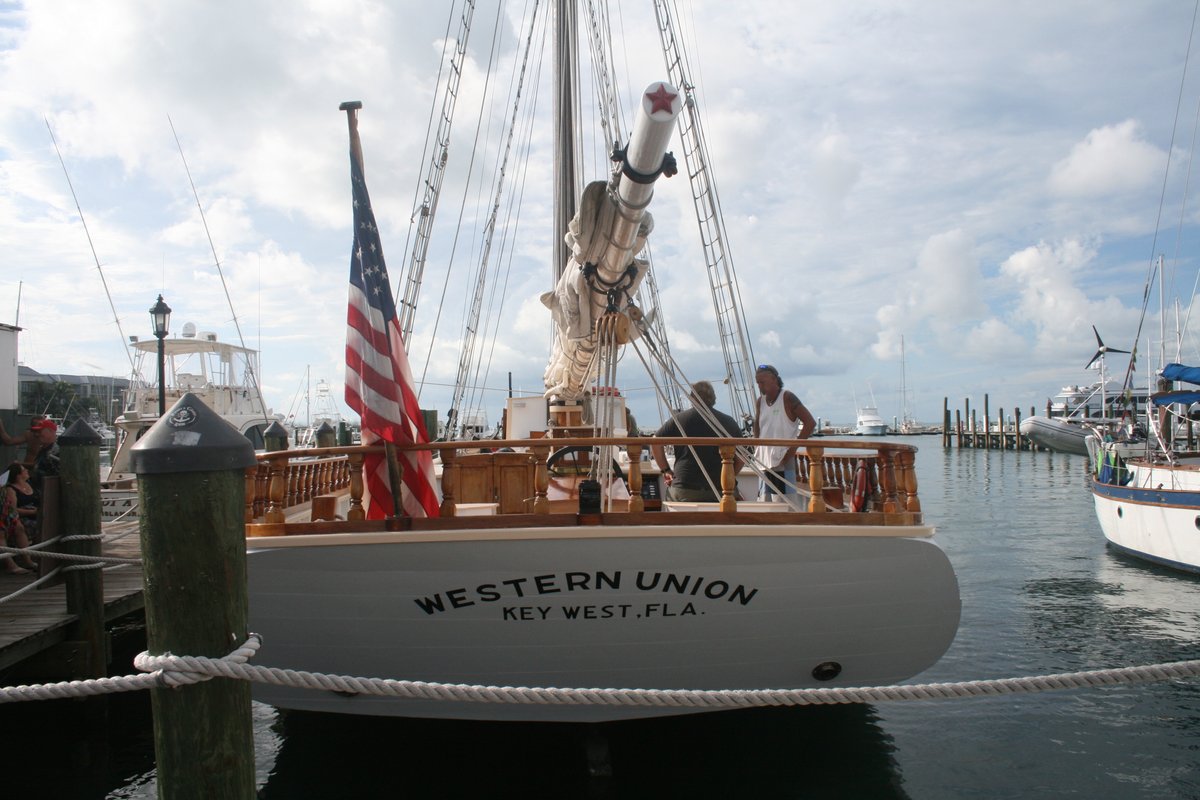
[[985, 433]]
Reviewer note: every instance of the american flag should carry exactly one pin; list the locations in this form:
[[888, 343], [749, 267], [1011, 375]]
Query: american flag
[[379, 382]]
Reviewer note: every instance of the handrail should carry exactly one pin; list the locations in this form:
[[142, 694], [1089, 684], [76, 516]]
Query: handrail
[[891, 476]]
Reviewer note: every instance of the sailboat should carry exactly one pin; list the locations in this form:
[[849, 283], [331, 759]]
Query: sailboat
[[1148, 504], [1147, 496], [561, 574]]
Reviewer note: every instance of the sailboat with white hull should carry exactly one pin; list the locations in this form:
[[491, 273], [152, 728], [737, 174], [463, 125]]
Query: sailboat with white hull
[[557, 578]]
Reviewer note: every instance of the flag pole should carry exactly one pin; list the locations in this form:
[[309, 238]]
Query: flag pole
[[395, 475]]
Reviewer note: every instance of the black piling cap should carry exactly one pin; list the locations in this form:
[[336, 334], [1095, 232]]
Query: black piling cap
[[191, 437], [79, 434], [275, 437], [326, 436]]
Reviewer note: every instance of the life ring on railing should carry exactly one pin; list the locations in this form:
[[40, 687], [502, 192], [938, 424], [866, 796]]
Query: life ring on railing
[[858, 497]]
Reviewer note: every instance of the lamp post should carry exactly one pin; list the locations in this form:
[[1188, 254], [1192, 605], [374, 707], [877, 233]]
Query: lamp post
[[161, 314]]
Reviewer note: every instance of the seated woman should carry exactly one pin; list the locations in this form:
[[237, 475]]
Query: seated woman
[[18, 515]]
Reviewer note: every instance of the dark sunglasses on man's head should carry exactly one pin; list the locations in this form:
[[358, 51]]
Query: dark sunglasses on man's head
[[768, 368]]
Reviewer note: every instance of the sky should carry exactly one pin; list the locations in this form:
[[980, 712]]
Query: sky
[[984, 181]]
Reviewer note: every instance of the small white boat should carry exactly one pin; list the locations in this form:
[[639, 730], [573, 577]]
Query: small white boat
[[869, 423], [1060, 434]]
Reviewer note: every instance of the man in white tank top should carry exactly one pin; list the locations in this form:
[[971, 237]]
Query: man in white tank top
[[777, 413]]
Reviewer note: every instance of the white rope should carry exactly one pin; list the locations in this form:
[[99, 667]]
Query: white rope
[[31, 586], [172, 670], [69, 556], [160, 678]]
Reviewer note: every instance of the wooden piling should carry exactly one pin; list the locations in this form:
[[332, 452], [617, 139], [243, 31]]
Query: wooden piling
[[191, 489], [987, 424], [79, 481], [945, 422]]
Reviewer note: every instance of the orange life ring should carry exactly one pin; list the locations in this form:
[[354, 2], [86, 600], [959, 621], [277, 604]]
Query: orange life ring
[[858, 498]]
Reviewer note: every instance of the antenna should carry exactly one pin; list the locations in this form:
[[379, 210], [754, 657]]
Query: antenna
[[99, 269], [236, 325]]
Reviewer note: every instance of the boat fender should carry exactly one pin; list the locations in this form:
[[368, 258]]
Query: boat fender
[[858, 498]]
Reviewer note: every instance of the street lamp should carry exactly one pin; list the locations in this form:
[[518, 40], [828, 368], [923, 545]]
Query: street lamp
[[161, 314]]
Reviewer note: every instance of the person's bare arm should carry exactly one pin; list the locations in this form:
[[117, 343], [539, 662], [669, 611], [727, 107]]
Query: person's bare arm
[[9, 439], [797, 411]]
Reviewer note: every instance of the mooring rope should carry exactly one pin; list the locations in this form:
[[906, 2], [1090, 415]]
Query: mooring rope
[[86, 562], [169, 670]]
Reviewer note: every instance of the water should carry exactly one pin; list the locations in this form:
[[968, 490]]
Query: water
[[1041, 594]]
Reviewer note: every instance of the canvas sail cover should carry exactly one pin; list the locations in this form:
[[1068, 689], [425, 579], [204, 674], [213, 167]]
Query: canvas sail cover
[[1179, 372]]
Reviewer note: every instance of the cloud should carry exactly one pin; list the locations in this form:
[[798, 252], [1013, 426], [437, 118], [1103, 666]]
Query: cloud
[[835, 171], [1111, 160], [1051, 304], [945, 288]]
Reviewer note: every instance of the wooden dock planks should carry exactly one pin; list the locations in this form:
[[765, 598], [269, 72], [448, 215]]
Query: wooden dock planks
[[38, 620]]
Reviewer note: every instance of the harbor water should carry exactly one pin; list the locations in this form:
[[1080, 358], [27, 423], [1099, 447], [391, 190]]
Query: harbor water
[[1041, 594]]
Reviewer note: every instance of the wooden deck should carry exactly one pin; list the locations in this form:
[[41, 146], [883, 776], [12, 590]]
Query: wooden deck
[[38, 623]]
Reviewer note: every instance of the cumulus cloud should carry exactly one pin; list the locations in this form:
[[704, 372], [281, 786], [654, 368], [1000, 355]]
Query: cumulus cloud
[[1111, 160], [944, 288], [1050, 304]]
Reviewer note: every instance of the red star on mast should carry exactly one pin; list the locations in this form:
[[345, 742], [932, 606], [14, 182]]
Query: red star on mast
[[660, 99]]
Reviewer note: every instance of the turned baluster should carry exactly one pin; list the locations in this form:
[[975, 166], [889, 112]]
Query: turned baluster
[[728, 478], [355, 467], [251, 481], [887, 482], [541, 481], [816, 479], [636, 503], [908, 481], [261, 481], [450, 470], [293, 488], [276, 491]]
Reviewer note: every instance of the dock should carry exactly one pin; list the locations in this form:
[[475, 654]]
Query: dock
[[968, 431], [36, 628]]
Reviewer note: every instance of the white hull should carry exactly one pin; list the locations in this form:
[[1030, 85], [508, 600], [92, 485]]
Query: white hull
[[1061, 435], [723, 607], [870, 430], [118, 504], [1155, 516]]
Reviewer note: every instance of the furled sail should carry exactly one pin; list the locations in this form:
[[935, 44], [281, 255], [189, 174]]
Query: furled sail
[[604, 238]]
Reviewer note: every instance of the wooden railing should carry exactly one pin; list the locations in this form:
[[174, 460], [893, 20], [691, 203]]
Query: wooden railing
[[287, 478]]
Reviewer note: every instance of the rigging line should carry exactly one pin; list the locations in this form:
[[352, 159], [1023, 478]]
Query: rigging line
[[96, 258], [513, 223], [710, 419], [629, 93], [1163, 193], [487, 81], [471, 360], [429, 134], [1179, 229], [463, 400], [220, 272]]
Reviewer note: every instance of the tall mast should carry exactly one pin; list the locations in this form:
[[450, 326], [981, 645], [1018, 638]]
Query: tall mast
[[566, 60]]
